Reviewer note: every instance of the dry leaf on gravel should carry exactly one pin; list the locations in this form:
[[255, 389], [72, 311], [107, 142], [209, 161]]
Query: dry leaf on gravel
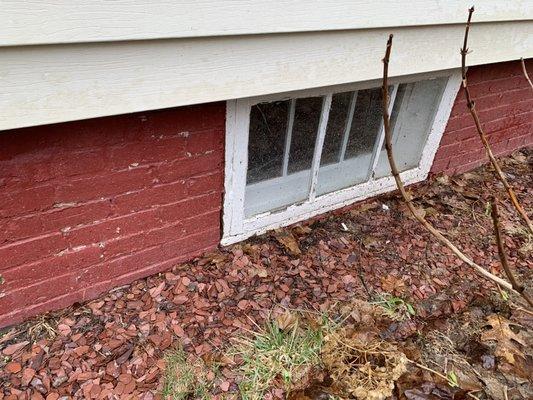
[[286, 320], [197, 303], [289, 242], [509, 345]]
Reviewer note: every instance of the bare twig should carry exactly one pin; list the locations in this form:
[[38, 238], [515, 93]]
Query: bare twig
[[405, 195], [422, 366], [442, 376], [471, 106], [525, 72], [503, 256]]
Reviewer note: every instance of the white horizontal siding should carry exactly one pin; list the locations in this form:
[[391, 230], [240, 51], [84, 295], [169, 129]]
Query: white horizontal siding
[[46, 84], [72, 21]]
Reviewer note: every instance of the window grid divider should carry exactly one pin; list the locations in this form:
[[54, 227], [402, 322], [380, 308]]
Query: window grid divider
[[288, 137], [379, 143], [348, 127], [319, 144], [237, 226]]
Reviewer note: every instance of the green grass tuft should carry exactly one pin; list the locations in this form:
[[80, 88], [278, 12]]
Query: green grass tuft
[[278, 355], [184, 379], [395, 307]]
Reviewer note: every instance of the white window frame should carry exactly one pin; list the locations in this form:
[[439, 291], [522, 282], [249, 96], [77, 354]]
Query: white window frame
[[237, 227]]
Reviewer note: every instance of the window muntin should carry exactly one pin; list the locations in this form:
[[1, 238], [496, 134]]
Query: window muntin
[[277, 178], [285, 199], [299, 134], [339, 122], [362, 135]]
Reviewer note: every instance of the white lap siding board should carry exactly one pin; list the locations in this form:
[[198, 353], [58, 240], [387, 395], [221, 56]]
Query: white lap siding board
[[237, 54], [74, 21]]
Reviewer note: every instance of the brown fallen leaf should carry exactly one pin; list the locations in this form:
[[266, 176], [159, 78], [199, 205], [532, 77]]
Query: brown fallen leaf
[[509, 345], [260, 272], [302, 229], [289, 242], [392, 284], [370, 242], [286, 320]]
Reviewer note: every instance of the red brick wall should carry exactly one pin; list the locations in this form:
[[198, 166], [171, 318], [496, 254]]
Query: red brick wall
[[504, 101], [89, 205]]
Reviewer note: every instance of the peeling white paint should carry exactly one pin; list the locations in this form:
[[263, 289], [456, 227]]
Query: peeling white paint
[[236, 227], [64, 205]]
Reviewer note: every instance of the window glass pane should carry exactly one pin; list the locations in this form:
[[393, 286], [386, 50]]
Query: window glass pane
[[266, 142], [366, 122], [279, 161], [363, 134], [338, 117], [304, 131], [412, 118], [275, 190]]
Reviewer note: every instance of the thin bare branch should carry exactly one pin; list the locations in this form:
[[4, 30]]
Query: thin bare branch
[[472, 108], [503, 256], [405, 195], [524, 70]]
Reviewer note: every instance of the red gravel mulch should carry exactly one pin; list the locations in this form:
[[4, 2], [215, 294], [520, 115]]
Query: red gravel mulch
[[112, 347]]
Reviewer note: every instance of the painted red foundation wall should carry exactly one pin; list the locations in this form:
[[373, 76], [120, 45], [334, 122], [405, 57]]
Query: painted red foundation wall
[[504, 101], [90, 205]]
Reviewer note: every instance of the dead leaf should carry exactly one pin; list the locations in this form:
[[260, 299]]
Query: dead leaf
[[288, 241], [443, 179], [509, 345], [402, 207], [260, 272], [370, 242], [286, 320], [392, 284], [302, 230]]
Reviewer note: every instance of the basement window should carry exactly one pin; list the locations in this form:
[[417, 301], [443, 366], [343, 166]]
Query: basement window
[[292, 156]]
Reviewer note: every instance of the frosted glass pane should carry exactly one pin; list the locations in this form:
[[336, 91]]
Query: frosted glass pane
[[366, 122], [363, 134], [338, 116], [266, 143], [304, 131], [412, 117], [277, 193]]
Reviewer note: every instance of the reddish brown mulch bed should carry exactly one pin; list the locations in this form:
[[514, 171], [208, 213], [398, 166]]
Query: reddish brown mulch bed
[[112, 347]]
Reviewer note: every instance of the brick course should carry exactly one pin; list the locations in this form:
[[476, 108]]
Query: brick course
[[89, 205], [504, 102]]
